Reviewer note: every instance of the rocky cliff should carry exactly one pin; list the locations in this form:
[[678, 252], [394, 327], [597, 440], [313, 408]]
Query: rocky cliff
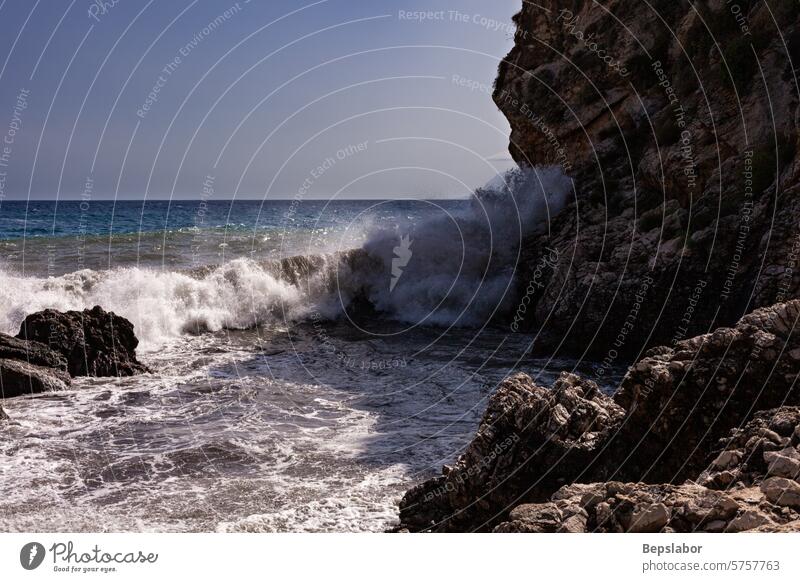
[[679, 252], [678, 123]]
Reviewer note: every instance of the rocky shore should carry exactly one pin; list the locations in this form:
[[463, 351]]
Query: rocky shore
[[53, 347], [700, 437], [677, 257]]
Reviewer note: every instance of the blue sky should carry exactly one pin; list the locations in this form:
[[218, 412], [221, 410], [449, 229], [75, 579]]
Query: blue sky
[[332, 97]]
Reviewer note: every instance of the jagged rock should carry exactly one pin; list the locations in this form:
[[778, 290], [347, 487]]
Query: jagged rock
[[633, 508], [93, 341], [531, 441], [747, 521], [21, 378], [765, 446], [3, 415], [32, 352], [680, 401], [783, 492]]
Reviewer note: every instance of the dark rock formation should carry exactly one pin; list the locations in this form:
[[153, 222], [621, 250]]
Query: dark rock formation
[[32, 352], [29, 367], [19, 378], [663, 426], [752, 484], [94, 342], [681, 400], [531, 441], [686, 166]]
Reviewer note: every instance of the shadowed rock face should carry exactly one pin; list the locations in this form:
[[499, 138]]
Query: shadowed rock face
[[19, 378], [531, 441], [94, 342], [681, 400], [686, 168], [35, 353], [28, 367], [751, 485], [672, 415]]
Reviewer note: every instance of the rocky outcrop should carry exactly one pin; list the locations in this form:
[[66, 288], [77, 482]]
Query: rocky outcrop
[[685, 162], [29, 367], [19, 378], [673, 413], [94, 342], [751, 485], [531, 441], [681, 400], [36, 353]]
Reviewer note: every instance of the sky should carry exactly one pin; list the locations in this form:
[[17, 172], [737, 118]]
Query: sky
[[127, 99]]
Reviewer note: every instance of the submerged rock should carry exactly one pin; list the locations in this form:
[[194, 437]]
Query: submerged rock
[[94, 342]]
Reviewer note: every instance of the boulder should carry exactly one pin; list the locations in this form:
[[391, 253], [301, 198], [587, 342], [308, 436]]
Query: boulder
[[18, 378], [94, 342]]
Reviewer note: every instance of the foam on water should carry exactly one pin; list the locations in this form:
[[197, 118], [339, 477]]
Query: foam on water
[[251, 424]]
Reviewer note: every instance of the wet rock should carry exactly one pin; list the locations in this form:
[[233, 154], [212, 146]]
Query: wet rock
[[94, 342], [21, 379], [32, 352], [531, 441]]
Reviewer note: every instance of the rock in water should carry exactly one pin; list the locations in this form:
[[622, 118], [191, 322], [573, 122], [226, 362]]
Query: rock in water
[[93, 341], [28, 367], [36, 353], [21, 378]]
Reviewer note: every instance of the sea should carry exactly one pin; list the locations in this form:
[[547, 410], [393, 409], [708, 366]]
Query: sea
[[311, 360]]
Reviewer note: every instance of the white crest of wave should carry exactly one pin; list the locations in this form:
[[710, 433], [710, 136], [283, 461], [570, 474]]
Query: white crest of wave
[[459, 271], [160, 304]]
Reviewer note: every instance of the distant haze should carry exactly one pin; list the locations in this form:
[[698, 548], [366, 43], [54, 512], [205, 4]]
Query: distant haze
[[186, 99]]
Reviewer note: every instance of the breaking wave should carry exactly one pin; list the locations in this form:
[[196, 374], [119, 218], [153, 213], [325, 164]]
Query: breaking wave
[[455, 268]]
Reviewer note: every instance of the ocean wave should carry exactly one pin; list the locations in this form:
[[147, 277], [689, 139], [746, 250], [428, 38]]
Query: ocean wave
[[456, 268]]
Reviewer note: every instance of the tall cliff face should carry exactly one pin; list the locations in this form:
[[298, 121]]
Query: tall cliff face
[[678, 122]]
